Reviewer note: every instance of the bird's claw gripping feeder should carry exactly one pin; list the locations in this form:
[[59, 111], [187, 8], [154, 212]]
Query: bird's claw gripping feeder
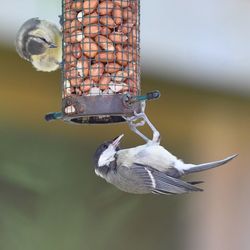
[[101, 62]]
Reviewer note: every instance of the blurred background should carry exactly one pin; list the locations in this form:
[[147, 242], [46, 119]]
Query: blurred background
[[197, 54]]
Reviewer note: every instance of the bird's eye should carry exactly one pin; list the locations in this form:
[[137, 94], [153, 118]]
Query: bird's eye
[[105, 146], [43, 39]]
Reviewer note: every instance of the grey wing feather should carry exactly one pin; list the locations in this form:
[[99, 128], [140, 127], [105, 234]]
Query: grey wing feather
[[159, 182]]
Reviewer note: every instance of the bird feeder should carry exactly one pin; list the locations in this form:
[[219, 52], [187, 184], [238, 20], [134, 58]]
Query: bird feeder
[[101, 61]]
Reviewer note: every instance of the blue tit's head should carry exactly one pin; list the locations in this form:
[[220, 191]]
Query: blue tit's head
[[38, 45], [105, 153]]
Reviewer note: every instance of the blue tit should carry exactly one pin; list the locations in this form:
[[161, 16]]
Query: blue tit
[[40, 42]]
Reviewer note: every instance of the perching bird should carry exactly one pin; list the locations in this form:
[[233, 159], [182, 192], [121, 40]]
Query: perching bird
[[40, 42], [149, 168]]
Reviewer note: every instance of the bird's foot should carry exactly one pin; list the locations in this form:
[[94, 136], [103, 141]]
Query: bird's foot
[[60, 65], [134, 123], [61, 20], [156, 135]]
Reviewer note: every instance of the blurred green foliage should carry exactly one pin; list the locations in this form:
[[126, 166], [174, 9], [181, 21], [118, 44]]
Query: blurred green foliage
[[51, 199]]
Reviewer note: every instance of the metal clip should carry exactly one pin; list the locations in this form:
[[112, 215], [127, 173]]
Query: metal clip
[[129, 99], [53, 116]]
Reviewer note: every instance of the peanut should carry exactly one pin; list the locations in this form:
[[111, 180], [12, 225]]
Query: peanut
[[107, 21], [119, 76], [105, 31], [96, 71], [105, 8], [95, 91], [118, 47], [131, 86], [132, 52], [75, 25], [67, 4], [76, 50], [122, 58], [117, 87], [131, 69], [91, 30], [70, 110], [112, 67], [104, 81], [87, 84], [72, 75], [83, 67], [90, 6], [74, 37], [66, 26], [126, 27], [89, 47], [105, 56], [105, 43], [87, 19], [117, 14], [123, 3], [132, 37], [70, 61], [70, 14], [118, 37], [127, 14], [77, 5]]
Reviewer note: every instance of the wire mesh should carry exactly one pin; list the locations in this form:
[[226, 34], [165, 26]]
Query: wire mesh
[[101, 51]]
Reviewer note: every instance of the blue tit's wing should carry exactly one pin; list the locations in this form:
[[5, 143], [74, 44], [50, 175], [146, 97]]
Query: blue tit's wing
[[160, 182]]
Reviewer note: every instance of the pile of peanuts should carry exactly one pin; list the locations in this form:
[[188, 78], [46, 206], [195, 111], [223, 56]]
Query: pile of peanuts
[[101, 52]]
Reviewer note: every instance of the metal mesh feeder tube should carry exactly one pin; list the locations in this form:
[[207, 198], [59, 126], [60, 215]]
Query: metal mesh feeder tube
[[101, 60]]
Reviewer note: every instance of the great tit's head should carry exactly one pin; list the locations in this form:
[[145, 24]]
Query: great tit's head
[[105, 153]]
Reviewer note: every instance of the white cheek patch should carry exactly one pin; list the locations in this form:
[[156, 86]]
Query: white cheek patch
[[107, 156]]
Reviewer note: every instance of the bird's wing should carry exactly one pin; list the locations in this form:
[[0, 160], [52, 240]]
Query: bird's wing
[[159, 182], [156, 157]]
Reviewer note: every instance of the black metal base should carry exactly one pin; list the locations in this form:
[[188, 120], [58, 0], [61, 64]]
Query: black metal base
[[98, 109]]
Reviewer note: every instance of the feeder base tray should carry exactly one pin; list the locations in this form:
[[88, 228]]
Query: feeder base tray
[[98, 109]]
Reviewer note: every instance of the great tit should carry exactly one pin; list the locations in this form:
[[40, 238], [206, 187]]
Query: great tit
[[40, 42], [148, 168]]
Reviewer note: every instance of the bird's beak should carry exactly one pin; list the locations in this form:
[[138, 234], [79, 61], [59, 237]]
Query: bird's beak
[[52, 46], [117, 140]]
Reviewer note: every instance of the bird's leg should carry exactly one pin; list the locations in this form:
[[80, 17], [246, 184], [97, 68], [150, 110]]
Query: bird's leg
[[156, 134], [133, 124], [133, 127]]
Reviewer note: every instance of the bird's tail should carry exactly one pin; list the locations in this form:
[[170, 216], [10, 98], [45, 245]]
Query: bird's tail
[[191, 168]]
